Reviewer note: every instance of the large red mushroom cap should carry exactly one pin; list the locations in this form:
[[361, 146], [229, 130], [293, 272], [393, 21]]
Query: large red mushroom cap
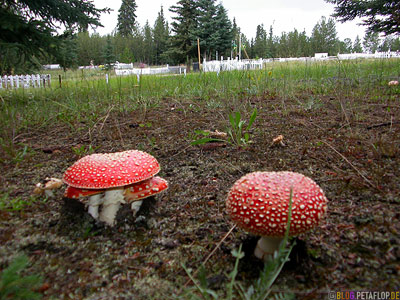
[[259, 203], [100, 171]]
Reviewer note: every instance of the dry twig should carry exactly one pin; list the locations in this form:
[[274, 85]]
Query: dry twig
[[358, 171], [209, 255]]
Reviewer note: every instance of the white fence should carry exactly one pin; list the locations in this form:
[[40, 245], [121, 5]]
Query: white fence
[[232, 64], [24, 81], [128, 69], [247, 64]]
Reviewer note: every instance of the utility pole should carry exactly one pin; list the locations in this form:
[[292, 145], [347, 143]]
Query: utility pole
[[198, 51], [240, 46]]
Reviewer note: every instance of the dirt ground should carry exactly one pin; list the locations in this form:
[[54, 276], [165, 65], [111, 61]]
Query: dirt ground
[[350, 147]]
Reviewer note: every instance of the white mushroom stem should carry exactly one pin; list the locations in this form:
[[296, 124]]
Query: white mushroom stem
[[266, 246], [112, 200], [94, 202], [49, 193], [135, 206]]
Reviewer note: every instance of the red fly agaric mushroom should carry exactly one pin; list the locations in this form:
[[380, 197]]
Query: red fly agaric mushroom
[[134, 194], [259, 203], [111, 172], [95, 198]]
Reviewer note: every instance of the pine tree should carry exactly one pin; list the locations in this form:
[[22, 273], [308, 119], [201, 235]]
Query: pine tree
[[235, 38], [109, 56], [371, 41], [377, 15], [271, 47], [346, 46], [67, 55], [207, 27], [324, 37], [260, 42], [90, 48], [126, 25], [148, 43], [28, 28], [223, 35], [161, 35], [183, 44], [357, 47]]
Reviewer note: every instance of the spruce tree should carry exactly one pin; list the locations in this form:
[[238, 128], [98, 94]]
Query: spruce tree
[[357, 47], [260, 42], [126, 25], [380, 16], [29, 28], [207, 27], [67, 55], [161, 35], [148, 43], [235, 38], [183, 43], [324, 37], [371, 41], [223, 34], [347, 46], [109, 56], [271, 47]]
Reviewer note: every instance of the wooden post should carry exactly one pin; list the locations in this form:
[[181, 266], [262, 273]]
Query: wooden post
[[198, 51], [240, 46], [59, 80]]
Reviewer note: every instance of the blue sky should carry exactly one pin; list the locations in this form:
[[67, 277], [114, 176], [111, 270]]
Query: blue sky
[[283, 15]]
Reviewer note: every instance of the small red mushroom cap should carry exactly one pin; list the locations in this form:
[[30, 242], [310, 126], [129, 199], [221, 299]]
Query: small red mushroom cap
[[101, 171], [76, 193], [259, 203], [146, 188]]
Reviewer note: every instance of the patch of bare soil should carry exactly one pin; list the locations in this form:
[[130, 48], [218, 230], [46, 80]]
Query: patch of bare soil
[[351, 151]]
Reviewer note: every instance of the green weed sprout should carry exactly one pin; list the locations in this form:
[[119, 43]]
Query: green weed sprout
[[17, 287], [238, 134], [14, 204], [272, 268], [262, 289]]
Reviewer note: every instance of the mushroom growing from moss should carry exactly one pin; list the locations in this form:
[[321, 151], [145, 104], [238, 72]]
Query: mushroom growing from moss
[[104, 178], [259, 203]]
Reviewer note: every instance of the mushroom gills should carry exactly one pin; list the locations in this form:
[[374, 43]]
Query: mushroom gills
[[112, 200], [266, 247]]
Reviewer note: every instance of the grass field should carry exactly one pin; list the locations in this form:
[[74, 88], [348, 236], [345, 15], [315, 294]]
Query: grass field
[[340, 122]]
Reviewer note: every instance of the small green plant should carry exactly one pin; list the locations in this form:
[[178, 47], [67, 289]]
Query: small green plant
[[262, 289], [12, 153], [202, 137], [83, 150], [15, 204], [15, 286], [238, 134]]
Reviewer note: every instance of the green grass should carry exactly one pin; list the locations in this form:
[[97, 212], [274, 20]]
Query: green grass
[[13, 285], [84, 97], [15, 204]]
